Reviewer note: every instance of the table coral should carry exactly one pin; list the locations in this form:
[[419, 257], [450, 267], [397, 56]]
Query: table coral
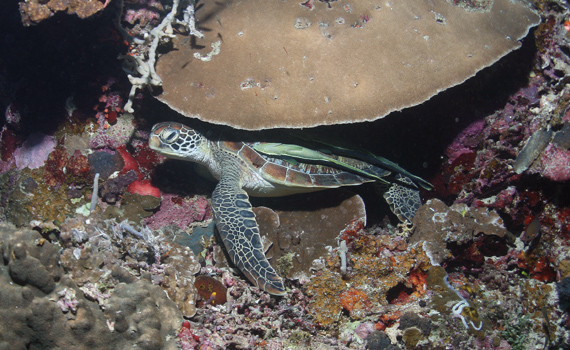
[[288, 84]]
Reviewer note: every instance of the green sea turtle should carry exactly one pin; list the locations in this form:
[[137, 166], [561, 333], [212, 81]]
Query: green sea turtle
[[276, 169]]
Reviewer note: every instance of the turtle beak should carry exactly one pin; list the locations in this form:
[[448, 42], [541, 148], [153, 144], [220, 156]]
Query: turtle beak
[[154, 142]]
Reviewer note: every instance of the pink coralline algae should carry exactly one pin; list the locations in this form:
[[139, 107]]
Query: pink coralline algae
[[143, 12], [143, 16], [12, 115], [468, 139], [555, 163], [115, 136], [180, 211], [35, 151]]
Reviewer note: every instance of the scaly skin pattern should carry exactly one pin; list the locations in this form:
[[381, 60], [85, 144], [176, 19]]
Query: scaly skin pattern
[[404, 201], [238, 228]]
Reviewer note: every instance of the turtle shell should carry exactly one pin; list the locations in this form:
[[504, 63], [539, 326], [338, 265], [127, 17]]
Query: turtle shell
[[293, 172]]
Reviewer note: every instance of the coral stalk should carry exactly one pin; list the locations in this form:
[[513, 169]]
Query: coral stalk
[[95, 194], [342, 252]]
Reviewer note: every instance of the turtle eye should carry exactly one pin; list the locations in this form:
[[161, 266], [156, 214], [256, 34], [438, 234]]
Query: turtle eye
[[169, 135]]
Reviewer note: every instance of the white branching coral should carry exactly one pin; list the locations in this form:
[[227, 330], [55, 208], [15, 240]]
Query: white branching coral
[[342, 250], [140, 66], [95, 194], [458, 307]]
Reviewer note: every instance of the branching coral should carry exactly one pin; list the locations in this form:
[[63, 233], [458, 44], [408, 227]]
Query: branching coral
[[140, 67]]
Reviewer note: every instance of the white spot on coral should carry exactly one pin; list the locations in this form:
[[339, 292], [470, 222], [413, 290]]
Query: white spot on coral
[[302, 23], [208, 57]]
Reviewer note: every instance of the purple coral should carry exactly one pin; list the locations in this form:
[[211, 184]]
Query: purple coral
[[143, 16], [468, 139], [179, 211], [35, 151]]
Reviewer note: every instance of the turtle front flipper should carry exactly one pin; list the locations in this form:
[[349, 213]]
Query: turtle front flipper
[[239, 231]]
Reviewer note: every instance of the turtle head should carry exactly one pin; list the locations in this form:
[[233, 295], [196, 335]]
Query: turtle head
[[175, 140]]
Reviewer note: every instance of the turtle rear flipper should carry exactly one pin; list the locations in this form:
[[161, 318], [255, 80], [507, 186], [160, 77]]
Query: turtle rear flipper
[[404, 200], [239, 231]]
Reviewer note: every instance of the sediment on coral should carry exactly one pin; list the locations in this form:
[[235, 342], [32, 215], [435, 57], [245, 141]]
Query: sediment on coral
[[438, 227]]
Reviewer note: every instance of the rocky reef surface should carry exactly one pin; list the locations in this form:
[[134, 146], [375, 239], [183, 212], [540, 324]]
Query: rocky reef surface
[[45, 306], [107, 245]]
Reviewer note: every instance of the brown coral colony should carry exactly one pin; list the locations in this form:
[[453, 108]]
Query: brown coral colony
[[292, 65]]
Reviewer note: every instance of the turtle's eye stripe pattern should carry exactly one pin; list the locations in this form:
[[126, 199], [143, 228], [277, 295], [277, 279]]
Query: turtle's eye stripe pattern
[[169, 135]]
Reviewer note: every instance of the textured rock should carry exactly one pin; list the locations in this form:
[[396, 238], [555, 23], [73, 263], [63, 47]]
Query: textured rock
[[35, 11], [47, 310], [266, 64], [179, 279], [305, 227], [439, 225]]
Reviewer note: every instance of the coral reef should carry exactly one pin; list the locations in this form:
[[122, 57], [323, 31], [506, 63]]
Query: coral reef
[[486, 264], [178, 280], [297, 234], [438, 226], [180, 211], [47, 309], [34, 152]]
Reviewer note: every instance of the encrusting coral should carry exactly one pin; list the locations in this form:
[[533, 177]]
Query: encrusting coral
[[437, 226], [35, 11]]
